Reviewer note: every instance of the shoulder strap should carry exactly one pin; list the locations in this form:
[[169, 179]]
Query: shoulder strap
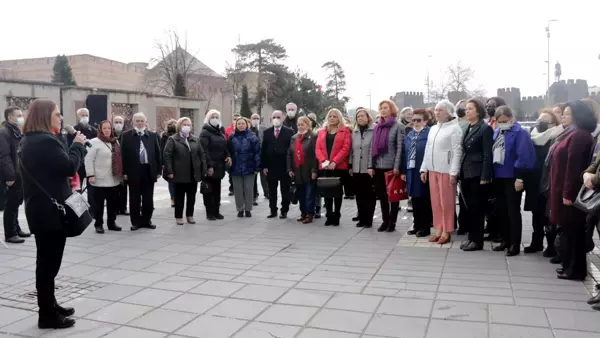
[[44, 191]]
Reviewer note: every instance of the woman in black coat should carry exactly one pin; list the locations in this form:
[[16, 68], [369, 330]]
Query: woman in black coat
[[218, 159], [164, 137], [185, 166], [47, 163]]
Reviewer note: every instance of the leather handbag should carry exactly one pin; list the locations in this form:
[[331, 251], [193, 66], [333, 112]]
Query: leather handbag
[[329, 187], [588, 201], [73, 212], [205, 188]]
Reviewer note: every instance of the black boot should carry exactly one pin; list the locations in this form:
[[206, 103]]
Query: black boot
[[317, 212], [64, 311], [336, 219], [328, 219], [54, 320], [391, 228], [383, 227], [537, 244]]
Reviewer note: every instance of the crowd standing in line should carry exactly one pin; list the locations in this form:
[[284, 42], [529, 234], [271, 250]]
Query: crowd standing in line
[[474, 150]]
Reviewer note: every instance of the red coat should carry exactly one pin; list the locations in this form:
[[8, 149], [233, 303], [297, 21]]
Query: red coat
[[570, 159], [229, 130], [340, 152]]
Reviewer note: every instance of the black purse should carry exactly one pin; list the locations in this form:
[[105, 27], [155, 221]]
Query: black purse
[[588, 201], [293, 193], [205, 188], [73, 212], [329, 187]]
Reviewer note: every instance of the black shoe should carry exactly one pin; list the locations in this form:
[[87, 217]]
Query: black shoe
[[211, 217], [125, 213], [240, 214], [336, 220], [23, 234], [64, 311], [15, 240], [549, 252], [56, 321], [135, 227], [533, 249], [460, 232], [500, 247], [248, 213], [472, 246], [465, 244], [231, 193], [272, 215], [594, 300], [513, 250], [317, 215], [596, 307], [254, 203], [219, 216], [555, 260], [391, 228], [99, 229], [567, 277], [114, 227], [283, 215], [412, 232], [359, 225], [346, 197], [560, 271], [149, 226], [328, 220], [423, 233], [355, 219], [383, 227]]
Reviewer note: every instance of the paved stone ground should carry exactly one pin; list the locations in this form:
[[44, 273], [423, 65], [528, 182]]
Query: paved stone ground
[[254, 278]]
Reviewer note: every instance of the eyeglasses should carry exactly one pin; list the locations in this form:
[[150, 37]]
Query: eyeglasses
[[417, 120]]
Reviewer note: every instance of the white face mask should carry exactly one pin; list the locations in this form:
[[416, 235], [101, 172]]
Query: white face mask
[[418, 129], [186, 129], [276, 121], [291, 113], [505, 126], [84, 120], [255, 123], [118, 126], [140, 130], [20, 121], [215, 122]]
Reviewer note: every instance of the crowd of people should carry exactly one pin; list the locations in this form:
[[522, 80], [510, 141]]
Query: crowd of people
[[474, 150]]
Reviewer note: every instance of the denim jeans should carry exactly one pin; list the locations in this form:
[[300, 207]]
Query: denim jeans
[[307, 197], [172, 190]]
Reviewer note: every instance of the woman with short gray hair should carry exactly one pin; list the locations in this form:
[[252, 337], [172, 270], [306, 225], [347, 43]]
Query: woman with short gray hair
[[441, 165]]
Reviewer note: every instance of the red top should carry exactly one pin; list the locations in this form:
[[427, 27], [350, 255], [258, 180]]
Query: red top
[[229, 130], [340, 152]]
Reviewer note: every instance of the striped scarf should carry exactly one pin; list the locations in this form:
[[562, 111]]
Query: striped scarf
[[412, 148]]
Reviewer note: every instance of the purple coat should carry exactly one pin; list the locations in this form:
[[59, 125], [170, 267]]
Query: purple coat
[[519, 154]]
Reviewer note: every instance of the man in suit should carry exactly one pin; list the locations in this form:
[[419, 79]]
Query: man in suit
[[259, 130], [141, 168], [275, 145], [83, 126]]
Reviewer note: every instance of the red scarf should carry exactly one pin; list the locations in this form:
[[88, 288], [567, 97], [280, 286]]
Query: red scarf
[[117, 160], [299, 151]]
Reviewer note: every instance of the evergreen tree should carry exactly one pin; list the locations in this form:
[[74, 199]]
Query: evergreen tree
[[180, 89], [62, 71], [245, 106]]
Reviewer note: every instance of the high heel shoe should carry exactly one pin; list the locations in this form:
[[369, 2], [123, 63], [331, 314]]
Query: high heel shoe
[[444, 239], [434, 238]]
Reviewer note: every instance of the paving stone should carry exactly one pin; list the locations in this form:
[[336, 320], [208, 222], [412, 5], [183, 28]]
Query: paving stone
[[130, 332], [353, 302], [193, 303], [306, 297], [573, 320], [265, 330], [317, 333], [239, 308], [151, 297], [405, 307], [114, 292], [10, 315], [394, 326], [217, 288], [287, 314], [25, 327], [460, 311], [260, 292], [518, 315], [511, 331], [340, 320], [84, 329], [210, 326], [119, 313], [85, 306], [163, 320], [455, 329], [178, 283]]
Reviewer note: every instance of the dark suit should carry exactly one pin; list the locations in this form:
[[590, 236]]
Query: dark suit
[[476, 167], [141, 177], [274, 159]]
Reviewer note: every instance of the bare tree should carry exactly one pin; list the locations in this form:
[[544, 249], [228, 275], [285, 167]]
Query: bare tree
[[459, 78]]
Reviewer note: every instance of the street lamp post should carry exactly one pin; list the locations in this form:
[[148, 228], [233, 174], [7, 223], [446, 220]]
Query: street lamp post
[[370, 88], [548, 61]]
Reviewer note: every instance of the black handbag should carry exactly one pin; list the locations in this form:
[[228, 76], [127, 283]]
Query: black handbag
[[73, 212], [329, 187], [205, 188], [293, 193], [588, 201]]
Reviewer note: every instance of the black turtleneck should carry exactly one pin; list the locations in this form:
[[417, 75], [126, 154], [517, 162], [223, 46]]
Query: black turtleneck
[[362, 129]]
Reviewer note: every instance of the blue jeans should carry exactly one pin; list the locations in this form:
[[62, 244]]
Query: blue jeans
[[307, 195], [172, 190]]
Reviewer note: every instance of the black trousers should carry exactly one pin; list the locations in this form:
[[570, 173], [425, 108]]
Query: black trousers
[[475, 195], [463, 220], [141, 197], [389, 211], [212, 200], [108, 194], [365, 197], [347, 182], [230, 183], [422, 213], [572, 244], [121, 199], [492, 224], [13, 198], [183, 191], [50, 249], [284, 182], [2, 195], [508, 210], [540, 221]]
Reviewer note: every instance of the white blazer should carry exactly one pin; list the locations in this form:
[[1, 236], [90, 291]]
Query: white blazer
[[443, 151]]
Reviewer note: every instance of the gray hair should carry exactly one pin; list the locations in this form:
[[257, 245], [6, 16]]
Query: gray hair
[[211, 113], [276, 111], [139, 115], [446, 106], [255, 114], [82, 110], [118, 117], [404, 110], [461, 102], [291, 104]]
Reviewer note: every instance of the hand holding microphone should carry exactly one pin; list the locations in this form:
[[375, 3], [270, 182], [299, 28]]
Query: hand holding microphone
[[78, 136]]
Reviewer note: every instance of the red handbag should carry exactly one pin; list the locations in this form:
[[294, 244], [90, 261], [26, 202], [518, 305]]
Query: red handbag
[[396, 187]]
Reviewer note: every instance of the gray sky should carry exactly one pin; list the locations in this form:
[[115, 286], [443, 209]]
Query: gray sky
[[503, 41]]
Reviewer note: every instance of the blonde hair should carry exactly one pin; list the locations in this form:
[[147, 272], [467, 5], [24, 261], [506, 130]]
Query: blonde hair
[[369, 118], [210, 113], [305, 120], [180, 122], [247, 121], [340, 116]]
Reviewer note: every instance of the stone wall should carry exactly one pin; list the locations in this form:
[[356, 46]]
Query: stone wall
[[22, 93]]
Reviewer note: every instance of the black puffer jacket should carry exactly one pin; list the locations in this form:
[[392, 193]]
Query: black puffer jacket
[[10, 136], [215, 148]]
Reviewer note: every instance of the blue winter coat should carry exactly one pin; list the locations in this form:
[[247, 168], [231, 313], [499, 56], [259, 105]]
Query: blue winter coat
[[415, 187], [519, 153], [245, 153]]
